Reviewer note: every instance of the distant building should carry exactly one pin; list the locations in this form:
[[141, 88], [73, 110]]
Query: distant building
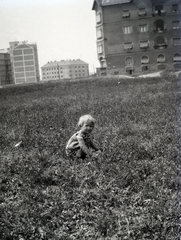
[[64, 70], [5, 68], [24, 60], [138, 36]]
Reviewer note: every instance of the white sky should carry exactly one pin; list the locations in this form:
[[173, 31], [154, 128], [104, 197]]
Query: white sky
[[62, 29]]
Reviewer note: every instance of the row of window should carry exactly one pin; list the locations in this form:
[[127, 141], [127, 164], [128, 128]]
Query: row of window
[[24, 74], [55, 68], [22, 51], [25, 63], [56, 72], [157, 9], [159, 42], [61, 76], [160, 59], [26, 69], [24, 57], [144, 68], [158, 25]]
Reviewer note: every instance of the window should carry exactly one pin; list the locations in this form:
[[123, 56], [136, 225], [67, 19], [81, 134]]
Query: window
[[98, 18], [17, 52], [176, 41], [32, 68], [144, 59], [160, 58], [159, 25], [19, 69], [129, 71], [177, 57], [158, 9], [175, 7], [19, 58], [99, 49], [143, 28], [18, 64], [28, 51], [175, 24], [127, 30], [145, 68], [128, 46], [99, 33], [19, 75], [141, 12], [129, 61], [126, 13], [160, 42], [144, 44], [161, 66]]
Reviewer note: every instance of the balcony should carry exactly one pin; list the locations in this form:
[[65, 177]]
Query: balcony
[[161, 46], [144, 46], [158, 13], [160, 30]]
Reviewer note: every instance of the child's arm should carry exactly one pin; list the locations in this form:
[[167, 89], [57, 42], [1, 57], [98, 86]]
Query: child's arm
[[83, 146], [94, 146]]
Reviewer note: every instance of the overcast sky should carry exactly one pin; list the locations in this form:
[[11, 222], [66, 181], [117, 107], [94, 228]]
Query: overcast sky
[[62, 29]]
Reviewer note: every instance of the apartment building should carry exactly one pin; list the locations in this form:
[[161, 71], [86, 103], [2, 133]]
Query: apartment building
[[65, 69], [24, 61], [138, 36], [5, 68]]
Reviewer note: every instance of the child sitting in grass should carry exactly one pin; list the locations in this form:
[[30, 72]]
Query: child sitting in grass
[[80, 145]]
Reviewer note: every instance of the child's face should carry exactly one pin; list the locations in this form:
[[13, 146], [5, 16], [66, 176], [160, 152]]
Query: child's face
[[87, 127]]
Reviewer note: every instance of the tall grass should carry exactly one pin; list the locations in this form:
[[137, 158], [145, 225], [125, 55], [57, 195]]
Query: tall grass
[[132, 192]]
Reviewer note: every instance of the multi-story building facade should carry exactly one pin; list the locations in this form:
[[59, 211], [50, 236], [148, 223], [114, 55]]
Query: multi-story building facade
[[138, 36], [5, 68], [65, 69], [24, 60]]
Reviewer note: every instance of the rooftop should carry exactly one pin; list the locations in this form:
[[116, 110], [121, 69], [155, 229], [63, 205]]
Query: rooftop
[[3, 51], [109, 2], [64, 63]]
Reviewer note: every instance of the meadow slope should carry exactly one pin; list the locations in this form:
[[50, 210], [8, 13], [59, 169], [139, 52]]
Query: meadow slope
[[132, 192]]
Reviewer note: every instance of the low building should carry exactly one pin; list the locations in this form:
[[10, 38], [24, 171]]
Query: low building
[[5, 68], [65, 69]]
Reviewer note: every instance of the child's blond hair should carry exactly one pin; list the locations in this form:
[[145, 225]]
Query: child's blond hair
[[83, 119]]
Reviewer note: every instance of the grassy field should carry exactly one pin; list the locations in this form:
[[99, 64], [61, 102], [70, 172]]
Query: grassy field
[[132, 192]]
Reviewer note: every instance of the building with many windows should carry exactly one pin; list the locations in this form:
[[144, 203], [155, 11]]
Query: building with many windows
[[24, 61], [5, 68], [138, 36], [65, 69]]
